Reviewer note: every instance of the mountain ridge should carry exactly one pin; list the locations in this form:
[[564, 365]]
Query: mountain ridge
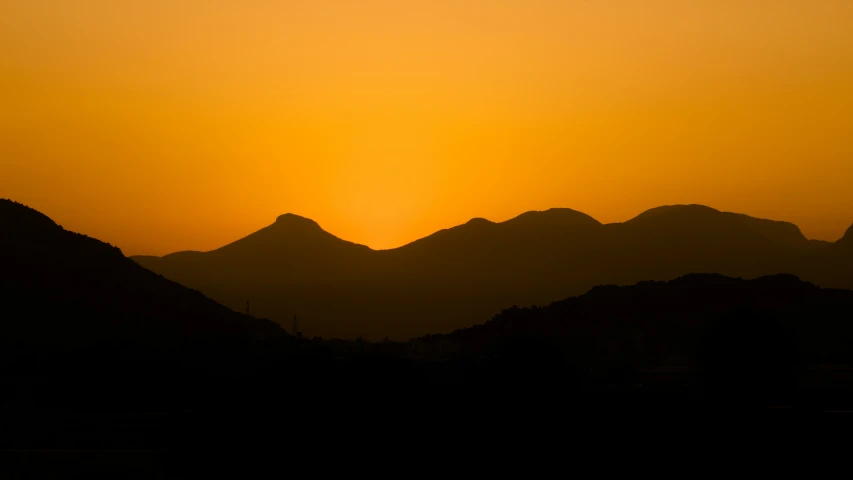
[[461, 275], [729, 332], [65, 288], [847, 239], [557, 216]]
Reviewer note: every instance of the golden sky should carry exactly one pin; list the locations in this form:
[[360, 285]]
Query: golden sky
[[164, 125]]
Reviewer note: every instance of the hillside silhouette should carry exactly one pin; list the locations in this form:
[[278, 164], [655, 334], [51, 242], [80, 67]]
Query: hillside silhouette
[[749, 343], [83, 326], [847, 240], [100, 355], [460, 276], [91, 323], [720, 334], [64, 290]]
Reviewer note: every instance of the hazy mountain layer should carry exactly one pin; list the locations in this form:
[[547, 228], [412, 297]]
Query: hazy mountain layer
[[461, 276]]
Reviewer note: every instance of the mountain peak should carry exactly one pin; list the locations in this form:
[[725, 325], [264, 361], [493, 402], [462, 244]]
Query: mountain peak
[[555, 217], [290, 233], [699, 218], [291, 219], [690, 209], [479, 221], [847, 239]]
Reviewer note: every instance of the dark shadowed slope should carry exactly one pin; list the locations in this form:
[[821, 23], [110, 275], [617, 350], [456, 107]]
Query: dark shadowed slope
[[64, 291], [663, 323], [830, 264], [763, 336], [847, 240], [460, 276]]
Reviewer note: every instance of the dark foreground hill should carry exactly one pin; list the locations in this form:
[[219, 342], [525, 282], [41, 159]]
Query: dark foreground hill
[[459, 277], [774, 335], [82, 325], [64, 291]]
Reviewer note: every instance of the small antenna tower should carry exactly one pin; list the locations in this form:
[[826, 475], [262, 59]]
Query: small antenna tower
[[295, 326], [247, 308]]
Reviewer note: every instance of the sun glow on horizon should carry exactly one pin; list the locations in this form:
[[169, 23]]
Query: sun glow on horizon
[[163, 126]]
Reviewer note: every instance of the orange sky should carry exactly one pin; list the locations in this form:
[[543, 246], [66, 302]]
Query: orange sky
[[165, 125]]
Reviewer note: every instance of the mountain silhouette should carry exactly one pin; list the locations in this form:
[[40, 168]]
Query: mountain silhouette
[[702, 220], [98, 352], [768, 336], [460, 276], [65, 291], [847, 240]]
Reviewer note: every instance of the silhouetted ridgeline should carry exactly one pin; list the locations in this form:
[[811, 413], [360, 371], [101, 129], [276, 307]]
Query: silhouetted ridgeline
[[84, 325], [98, 354], [708, 327], [847, 240], [78, 311], [65, 290], [459, 277]]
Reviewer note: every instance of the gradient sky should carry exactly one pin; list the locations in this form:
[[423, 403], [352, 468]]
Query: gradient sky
[[164, 125]]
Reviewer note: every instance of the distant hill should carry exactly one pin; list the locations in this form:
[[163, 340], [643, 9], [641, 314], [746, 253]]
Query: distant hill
[[460, 276], [669, 323], [765, 335], [62, 291]]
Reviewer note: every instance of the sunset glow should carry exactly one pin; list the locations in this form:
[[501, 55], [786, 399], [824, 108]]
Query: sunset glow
[[168, 125]]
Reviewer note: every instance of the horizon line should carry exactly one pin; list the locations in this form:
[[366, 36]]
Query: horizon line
[[319, 225]]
